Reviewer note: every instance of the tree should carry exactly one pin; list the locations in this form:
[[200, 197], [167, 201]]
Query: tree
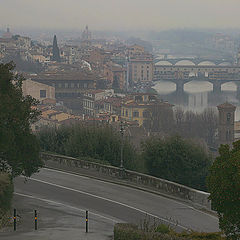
[[99, 142], [178, 160], [197, 125], [224, 186], [19, 150], [56, 54]]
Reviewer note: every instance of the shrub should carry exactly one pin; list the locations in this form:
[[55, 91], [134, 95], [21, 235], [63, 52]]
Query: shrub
[[6, 194], [100, 142], [178, 160], [162, 228], [6, 191], [124, 231], [201, 236]]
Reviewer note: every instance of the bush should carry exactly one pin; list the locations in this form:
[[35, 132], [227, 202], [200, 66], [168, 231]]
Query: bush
[[88, 141], [201, 236], [6, 191], [124, 231], [162, 228], [178, 160], [6, 194]]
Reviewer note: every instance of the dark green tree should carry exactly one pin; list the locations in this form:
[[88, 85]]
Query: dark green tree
[[56, 54], [224, 186], [19, 149], [178, 160], [98, 142]]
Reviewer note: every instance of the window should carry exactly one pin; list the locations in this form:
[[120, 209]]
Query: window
[[228, 135], [228, 117], [126, 113], [145, 114], [135, 114], [43, 93]]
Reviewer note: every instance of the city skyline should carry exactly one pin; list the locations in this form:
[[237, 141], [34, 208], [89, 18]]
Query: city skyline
[[119, 15]]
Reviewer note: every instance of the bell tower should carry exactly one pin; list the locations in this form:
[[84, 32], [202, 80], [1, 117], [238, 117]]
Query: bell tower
[[226, 123]]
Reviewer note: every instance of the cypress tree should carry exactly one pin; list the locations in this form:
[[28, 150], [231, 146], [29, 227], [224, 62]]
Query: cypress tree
[[56, 55]]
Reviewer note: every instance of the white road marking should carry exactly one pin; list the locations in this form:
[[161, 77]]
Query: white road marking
[[65, 205], [67, 173], [109, 200], [102, 181]]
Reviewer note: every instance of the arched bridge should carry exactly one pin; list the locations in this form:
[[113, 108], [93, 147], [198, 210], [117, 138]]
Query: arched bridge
[[185, 71], [194, 61]]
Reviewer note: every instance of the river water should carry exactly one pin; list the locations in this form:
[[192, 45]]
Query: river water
[[199, 95]]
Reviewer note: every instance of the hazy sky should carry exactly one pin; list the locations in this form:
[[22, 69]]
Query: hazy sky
[[120, 14]]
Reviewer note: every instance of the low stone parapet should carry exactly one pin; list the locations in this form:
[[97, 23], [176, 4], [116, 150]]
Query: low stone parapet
[[75, 165]]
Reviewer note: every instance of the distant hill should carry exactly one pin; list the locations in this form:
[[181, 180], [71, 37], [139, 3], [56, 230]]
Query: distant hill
[[176, 36]]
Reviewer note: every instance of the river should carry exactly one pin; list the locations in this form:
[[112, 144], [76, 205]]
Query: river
[[198, 95]]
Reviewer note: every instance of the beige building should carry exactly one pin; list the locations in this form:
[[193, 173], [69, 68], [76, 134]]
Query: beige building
[[141, 68], [140, 64], [91, 98], [115, 75], [135, 50], [38, 90], [35, 57], [141, 107]]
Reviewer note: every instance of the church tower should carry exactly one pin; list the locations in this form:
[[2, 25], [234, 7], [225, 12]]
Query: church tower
[[226, 123], [86, 37]]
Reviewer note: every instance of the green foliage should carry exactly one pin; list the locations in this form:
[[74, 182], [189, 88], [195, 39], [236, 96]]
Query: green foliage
[[94, 142], [6, 192], [224, 186], [162, 228], [178, 160], [19, 150], [200, 235], [124, 231]]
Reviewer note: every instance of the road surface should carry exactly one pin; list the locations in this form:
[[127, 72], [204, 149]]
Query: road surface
[[62, 199]]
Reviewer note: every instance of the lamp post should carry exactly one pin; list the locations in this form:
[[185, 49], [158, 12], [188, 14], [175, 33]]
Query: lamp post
[[121, 131]]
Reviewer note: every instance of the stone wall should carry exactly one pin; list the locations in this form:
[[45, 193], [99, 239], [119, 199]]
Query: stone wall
[[197, 198]]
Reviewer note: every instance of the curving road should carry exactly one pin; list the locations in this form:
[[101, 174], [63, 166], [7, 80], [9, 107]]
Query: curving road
[[107, 203]]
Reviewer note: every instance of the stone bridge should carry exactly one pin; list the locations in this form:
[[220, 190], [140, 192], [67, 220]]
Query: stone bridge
[[183, 72]]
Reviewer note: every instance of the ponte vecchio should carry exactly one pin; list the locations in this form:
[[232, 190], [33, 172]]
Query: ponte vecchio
[[181, 71]]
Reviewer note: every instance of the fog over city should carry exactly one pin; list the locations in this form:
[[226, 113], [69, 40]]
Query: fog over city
[[120, 15], [119, 119]]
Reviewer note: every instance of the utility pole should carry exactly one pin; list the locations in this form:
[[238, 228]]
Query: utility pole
[[121, 131]]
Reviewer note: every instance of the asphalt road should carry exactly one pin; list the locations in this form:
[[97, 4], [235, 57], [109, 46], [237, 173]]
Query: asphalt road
[[62, 199]]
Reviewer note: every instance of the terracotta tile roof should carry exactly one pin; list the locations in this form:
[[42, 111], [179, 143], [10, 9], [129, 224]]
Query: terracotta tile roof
[[226, 105]]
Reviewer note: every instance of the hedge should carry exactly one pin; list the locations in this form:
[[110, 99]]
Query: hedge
[[124, 231], [6, 194]]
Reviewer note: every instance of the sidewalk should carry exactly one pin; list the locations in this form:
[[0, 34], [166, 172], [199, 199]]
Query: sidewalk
[[55, 222]]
